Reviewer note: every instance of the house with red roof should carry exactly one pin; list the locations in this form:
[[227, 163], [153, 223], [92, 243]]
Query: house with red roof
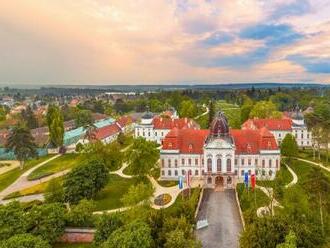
[[219, 156], [293, 123], [155, 128]]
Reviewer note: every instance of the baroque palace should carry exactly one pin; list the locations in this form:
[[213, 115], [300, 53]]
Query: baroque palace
[[221, 156]]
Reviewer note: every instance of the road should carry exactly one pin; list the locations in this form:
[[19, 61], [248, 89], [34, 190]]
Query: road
[[224, 223]]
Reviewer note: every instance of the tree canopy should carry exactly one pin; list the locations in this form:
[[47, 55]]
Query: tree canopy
[[289, 146]]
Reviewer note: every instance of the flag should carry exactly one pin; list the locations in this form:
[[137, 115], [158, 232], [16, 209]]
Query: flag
[[253, 181], [246, 179], [180, 182]]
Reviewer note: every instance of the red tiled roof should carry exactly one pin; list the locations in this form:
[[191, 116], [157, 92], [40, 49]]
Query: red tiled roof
[[106, 131], [270, 124], [168, 123], [124, 121], [186, 140], [248, 141]]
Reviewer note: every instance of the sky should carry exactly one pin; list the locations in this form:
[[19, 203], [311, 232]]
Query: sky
[[164, 41]]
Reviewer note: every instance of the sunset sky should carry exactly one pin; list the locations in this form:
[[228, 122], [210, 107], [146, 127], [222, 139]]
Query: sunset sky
[[164, 41]]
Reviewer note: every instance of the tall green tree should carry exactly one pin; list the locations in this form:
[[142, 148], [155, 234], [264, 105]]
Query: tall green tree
[[290, 241], [105, 226], [85, 181], [211, 112], [54, 191], [142, 156], [264, 109], [21, 142], [289, 146], [84, 118], [188, 109], [55, 123]]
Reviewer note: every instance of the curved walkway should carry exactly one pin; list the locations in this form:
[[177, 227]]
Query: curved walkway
[[205, 113], [120, 172], [270, 193], [314, 163], [22, 182]]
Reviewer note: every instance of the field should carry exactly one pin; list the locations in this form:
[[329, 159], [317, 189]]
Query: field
[[66, 161]]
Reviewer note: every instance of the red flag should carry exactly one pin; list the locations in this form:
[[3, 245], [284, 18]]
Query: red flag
[[253, 181]]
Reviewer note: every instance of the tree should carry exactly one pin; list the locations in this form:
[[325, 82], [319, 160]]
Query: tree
[[142, 156], [289, 146], [81, 215], [265, 232], [3, 113], [290, 241], [12, 220], [211, 113], [54, 192], [85, 181], [29, 118], [135, 234], [105, 226], [319, 187], [24, 241], [177, 239], [84, 118], [47, 221], [121, 139], [108, 154], [264, 109], [188, 109], [55, 122], [137, 194], [21, 142]]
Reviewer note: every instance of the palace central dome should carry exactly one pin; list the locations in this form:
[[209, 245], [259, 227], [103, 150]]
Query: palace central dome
[[219, 126]]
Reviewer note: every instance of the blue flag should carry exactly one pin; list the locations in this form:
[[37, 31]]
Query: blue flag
[[246, 179], [180, 182]]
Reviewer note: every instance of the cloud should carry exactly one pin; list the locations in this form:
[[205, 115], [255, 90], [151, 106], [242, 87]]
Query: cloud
[[275, 34], [312, 64], [129, 41]]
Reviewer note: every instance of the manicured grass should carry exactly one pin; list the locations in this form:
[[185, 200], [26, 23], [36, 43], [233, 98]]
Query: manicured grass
[[308, 155], [251, 200], [10, 176], [167, 183], [183, 202], [36, 189], [109, 197], [66, 161], [74, 245]]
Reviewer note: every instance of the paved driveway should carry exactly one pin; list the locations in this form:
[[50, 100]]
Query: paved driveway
[[224, 223]]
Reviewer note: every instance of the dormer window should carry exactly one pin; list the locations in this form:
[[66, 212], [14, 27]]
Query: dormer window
[[190, 147], [248, 148], [269, 144], [170, 145]]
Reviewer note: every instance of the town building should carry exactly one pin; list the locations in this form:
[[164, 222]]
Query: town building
[[219, 156], [293, 123], [155, 128]]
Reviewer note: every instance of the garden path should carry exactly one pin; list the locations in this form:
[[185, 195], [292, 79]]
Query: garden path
[[311, 162], [270, 193]]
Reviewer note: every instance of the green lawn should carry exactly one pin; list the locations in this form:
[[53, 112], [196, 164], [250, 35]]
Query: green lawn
[[308, 155], [109, 197], [10, 176], [250, 200], [66, 161]]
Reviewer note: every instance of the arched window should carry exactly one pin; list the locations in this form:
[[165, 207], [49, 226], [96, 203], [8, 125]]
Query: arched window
[[209, 165], [270, 173], [219, 165], [209, 180], [228, 165]]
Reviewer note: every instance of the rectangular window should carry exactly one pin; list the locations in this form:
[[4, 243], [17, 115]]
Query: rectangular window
[[169, 173], [196, 161], [169, 163], [163, 173], [196, 172], [242, 172], [176, 163], [183, 172], [242, 161], [189, 161], [270, 163], [249, 161], [263, 163], [302, 135], [236, 161], [182, 161], [163, 162], [256, 161]]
